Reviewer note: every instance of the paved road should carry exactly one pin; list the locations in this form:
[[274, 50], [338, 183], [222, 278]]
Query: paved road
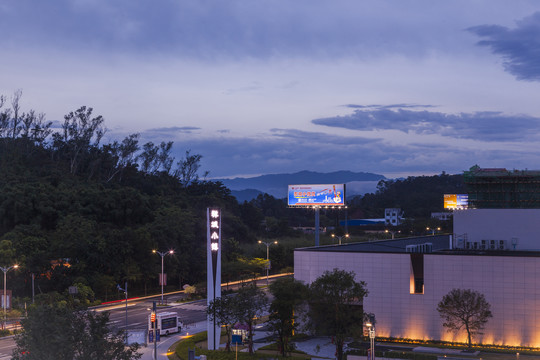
[[6, 348], [191, 314]]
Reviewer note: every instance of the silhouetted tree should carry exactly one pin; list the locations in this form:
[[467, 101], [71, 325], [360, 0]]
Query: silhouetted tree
[[288, 294], [335, 306], [249, 304], [467, 309]]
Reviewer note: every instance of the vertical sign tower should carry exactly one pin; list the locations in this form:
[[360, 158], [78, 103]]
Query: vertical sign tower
[[213, 277]]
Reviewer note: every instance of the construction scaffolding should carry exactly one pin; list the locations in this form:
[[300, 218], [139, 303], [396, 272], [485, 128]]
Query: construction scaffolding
[[498, 188]]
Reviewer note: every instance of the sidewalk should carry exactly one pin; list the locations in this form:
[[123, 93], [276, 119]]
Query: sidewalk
[[167, 341], [319, 347]]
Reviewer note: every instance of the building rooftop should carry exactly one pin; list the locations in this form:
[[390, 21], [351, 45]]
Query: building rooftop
[[439, 242], [440, 245]]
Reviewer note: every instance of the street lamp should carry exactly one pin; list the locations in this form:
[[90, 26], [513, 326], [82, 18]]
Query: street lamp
[[371, 329], [340, 237], [162, 254], [125, 290], [392, 232], [433, 230], [267, 256], [5, 270]]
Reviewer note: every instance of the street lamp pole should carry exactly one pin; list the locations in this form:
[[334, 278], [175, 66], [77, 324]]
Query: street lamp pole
[[392, 232], [125, 290], [371, 329], [267, 256], [5, 270], [162, 254], [340, 237], [433, 230]]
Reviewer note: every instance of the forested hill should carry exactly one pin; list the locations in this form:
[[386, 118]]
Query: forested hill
[[75, 210], [418, 196]]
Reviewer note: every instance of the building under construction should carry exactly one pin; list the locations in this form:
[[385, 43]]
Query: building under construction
[[498, 188]]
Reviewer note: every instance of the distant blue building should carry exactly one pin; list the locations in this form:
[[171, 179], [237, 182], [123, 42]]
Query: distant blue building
[[361, 222]]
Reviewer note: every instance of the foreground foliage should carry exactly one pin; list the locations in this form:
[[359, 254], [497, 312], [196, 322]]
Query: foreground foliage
[[288, 296], [335, 306], [197, 342], [52, 332]]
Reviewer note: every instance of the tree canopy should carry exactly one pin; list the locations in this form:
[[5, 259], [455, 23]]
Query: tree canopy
[[467, 309], [52, 332], [74, 208], [335, 306], [288, 296]]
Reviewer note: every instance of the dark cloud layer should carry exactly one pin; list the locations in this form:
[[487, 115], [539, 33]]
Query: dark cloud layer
[[391, 106], [519, 47], [232, 28], [287, 151], [174, 129], [485, 126]]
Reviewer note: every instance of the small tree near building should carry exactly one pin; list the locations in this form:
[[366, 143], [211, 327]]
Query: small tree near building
[[335, 306], [222, 310], [249, 304], [288, 295], [467, 309]]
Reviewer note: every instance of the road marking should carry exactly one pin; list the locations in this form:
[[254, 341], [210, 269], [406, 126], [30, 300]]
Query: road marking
[[6, 357], [194, 307], [113, 307]]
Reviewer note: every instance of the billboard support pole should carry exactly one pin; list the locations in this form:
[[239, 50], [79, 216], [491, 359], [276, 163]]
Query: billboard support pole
[[346, 221], [317, 226]]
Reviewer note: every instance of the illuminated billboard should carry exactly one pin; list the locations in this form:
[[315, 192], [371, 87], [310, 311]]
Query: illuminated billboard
[[317, 195], [456, 201]]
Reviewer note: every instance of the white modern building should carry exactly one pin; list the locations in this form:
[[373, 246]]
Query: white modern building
[[406, 278], [515, 229], [393, 216]]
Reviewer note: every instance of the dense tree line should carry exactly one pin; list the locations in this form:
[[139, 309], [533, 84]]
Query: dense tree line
[[75, 210], [417, 196]]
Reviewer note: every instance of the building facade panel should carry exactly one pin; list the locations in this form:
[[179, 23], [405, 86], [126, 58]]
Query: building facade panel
[[519, 228], [511, 290]]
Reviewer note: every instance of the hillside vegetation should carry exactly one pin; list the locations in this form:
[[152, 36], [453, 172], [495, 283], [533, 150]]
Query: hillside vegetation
[[74, 210]]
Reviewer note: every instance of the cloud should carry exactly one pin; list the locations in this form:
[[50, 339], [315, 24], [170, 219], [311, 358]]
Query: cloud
[[519, 47], [174, 129], [485, 126], [392, 106], [290, 150], [233, 29], [255, 86]]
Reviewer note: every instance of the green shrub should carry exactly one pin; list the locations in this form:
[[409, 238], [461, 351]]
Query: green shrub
[[191, 343]]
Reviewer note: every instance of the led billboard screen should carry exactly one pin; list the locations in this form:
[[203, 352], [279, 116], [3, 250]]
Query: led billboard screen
[[317, 195], [456, 201]]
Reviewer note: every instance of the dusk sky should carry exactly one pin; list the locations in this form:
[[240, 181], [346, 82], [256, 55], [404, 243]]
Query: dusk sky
[[261, 87]]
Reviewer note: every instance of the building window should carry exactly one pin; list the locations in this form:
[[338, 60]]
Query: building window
[[417, 273]]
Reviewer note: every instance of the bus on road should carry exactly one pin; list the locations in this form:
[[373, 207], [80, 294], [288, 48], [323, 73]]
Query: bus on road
[[167, 323]]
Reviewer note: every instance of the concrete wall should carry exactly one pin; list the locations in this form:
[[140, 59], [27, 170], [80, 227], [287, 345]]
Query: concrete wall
[[510, 284], [500, 224]]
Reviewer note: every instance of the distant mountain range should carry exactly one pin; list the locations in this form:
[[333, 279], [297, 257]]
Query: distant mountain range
[[358, 183]]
